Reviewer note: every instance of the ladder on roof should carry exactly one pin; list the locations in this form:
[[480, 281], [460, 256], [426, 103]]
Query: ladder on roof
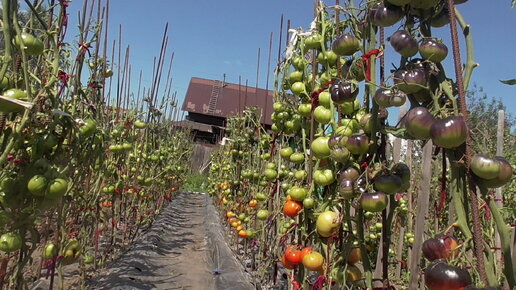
[[216, 91]]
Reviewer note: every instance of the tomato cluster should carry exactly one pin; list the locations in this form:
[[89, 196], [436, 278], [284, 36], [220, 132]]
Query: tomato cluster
[[81, 173], [327, 175]]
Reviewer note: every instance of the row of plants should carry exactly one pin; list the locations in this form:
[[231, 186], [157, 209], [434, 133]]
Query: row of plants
[[334, 194], [82, 172]]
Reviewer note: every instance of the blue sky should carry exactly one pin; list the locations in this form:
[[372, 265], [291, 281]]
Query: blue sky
[[215, 37]]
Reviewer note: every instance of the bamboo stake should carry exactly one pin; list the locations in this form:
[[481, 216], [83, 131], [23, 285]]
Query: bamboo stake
[[422, 211], [267, 81]]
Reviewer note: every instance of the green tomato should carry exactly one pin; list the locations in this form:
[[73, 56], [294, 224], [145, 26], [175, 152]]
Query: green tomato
[[5, 83], [308, 203], [320, 147], [305, 110], [139, 124], [37, 185], [313, 41], [10, 107], [31, 44], [88, 128], [10, 242], [71, 252], [271, 165], [298, 88], [299, 62], [57, 188], [322, 115], [300, 175], [328, 58], [88, 259], [109, 73], [325, 99], [278, 107], [324, 177], [262, 214], [297, 158], [286, 152], [298, 193], [350, 107], [50, 251], [270, 174], [261, 196], [296, 76]]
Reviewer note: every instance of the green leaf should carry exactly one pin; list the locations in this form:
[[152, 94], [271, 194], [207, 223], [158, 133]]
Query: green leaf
[[509, 82], [513, 3]]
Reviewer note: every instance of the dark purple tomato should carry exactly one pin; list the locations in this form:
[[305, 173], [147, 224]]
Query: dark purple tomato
[[366, 123], [382, 97], [449, 132], [398, 98], [404, 43], [343, 91], [361, 185], [373, 202], [433, 49], [418, 122], [340, 155], [349, 173], [385, 15], [403, 171], [334, 142], [485, 167], [389, 97], [503, 176], [440, 247], [399, 2], [357, 144], [345, 45], [347, 189], [473, 287], [423, 4], [440, 276], [388, 183], [411, 80]]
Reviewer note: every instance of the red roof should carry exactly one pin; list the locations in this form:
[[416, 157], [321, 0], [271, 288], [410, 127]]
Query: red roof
[[231, 100]]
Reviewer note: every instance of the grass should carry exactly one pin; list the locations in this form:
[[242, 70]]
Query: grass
[[194, 182]]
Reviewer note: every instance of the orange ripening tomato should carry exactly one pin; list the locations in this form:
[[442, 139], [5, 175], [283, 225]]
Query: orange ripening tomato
[[305, 252], [313, 261], [242, 234], [253, 203], [292, 208]]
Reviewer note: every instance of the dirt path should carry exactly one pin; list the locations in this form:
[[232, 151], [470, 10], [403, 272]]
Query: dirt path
[[180, 251]]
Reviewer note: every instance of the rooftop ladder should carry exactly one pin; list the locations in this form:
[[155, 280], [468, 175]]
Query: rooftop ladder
[[216, 91]]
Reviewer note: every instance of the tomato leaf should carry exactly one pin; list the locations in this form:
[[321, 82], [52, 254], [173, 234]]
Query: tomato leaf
[[513, 3], [509, 82]]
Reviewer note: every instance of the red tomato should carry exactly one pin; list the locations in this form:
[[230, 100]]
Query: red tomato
[[286, 264], [292, 208]]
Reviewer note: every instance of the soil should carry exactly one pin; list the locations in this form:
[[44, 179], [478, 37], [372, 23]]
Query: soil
[[183, 249]]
